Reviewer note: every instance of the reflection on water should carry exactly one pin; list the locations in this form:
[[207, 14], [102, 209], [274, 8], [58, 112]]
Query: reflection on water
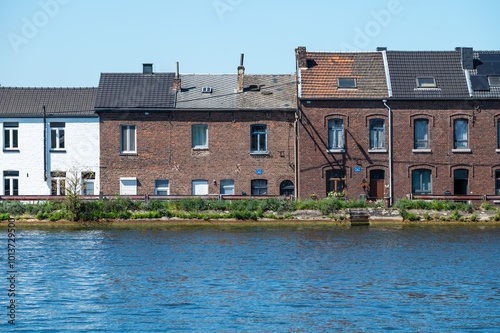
[[299, 279]]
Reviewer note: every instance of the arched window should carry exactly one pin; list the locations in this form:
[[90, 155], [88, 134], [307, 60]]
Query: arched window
[[286, 188]]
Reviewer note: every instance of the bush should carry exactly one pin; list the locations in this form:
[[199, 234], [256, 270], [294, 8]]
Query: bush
[[474, 217], [5, 216]]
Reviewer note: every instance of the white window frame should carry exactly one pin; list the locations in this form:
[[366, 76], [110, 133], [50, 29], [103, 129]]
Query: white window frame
[[128, 186], [227, 185], [58, 183], [457, 143], [162, 188], [196, 143], [419, 143], [10, 134], [259, 136], [335, 134], [375, 144], [11, 178], [57, 135], [88, 178], [125, 143], [426, 82]]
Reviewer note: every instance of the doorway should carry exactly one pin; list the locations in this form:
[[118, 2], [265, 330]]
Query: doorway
[[377, 184], [461, 181]]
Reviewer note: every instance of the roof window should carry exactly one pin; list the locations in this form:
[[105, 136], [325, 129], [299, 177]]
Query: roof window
[[346, 82], [494, 81], [206, 90], [426, 82]]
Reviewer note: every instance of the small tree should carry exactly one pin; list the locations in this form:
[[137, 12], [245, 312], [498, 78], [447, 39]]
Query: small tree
[[74, 188]]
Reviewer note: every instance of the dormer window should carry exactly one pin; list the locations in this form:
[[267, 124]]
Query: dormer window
[[346, 82], [494, 81], [426, 82]]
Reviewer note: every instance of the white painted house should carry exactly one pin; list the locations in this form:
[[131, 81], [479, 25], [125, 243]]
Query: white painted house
[[48, 135]]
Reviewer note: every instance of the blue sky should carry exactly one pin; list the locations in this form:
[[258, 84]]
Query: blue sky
[[68, 43]]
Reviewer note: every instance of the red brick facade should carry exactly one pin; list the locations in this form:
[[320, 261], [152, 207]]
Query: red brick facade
[[164, 150]]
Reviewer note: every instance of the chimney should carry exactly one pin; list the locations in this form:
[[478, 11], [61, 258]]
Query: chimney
[[467, 55], [176, 82], [381, 48], [300, 54], [241, 73], [147, 68]]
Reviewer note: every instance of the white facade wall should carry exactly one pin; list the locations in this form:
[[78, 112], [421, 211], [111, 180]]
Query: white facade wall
[[81, 153]]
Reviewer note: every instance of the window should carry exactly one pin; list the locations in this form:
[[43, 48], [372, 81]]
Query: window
[[346, 82], [128, 186], [258, 139], [128, 139], [227, 187], [421, 135], [421, 181], [200, 187], [461, 181], [10, 135], [57, 135], [58, 183], [335, 181], [286, 188], [426, 82], [497, 182], [200, 136], [162, 187], [11, 182], [335, 134], [88, 182], [377, 134], [494, 81], [498, 134], [259, 187], [461, 134]]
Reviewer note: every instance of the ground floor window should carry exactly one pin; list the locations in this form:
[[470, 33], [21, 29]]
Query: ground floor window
[[335, 181], [421, 181], [88, 183], [497, 182], [227, 187], [200, 187], [461, 181], [286, 188], [11, 182], [58, 183], [162, 187], [128, 186], [259, 187]]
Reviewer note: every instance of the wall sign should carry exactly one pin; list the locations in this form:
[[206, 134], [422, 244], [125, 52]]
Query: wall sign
[[357, 169], [258, 171]]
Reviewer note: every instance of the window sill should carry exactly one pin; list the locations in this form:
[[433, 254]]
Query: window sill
[[336, 151], [128, 154], [11, 150], [257, 153], [498, 151], [57, 151], [461, 151], [376, 151], [200, 148], [422, 151]]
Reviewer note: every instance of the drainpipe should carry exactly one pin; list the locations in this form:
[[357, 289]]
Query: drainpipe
[[296, 153], [44, 144], [390, 151]]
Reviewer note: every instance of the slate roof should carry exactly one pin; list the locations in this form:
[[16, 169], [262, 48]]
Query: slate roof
[[29, 102], [275, 92], [135, 90], [483, 61], [444, 66], [319, 80]]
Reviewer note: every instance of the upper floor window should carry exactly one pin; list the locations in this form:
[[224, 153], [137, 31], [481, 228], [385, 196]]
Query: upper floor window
[[426, 82], [258, 139], [377, 134], [128, 139], [10, 135], [200, 136], [421, 181], [88, 183], [421, 135], [335, 134], [346, 82], [461, 129], [57, 138], [11, 182], [259, 187]]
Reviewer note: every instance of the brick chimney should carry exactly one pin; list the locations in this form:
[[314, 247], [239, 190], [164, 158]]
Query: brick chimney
[[300, 54], [176, 82], [241, 73]]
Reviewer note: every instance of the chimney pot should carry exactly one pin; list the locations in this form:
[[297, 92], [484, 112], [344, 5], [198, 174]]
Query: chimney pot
[[241, 73], [300, 53]]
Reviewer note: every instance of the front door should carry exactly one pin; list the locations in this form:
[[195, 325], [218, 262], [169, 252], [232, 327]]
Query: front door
[[377, 184]]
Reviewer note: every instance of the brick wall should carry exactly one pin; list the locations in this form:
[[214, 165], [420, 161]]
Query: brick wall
[[164, 150]]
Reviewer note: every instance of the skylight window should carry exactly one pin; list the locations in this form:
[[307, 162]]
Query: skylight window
[[494, 81], [206, 90], [346, 82], [426, 82]]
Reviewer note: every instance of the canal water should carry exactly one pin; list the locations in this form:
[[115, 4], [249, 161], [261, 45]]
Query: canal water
[[257, 279]]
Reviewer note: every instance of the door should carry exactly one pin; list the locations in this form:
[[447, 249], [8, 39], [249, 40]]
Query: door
[[461, 182], [377, 184]]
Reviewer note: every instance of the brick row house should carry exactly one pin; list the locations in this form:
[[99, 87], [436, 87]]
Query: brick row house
[[49, 134], [392, 123], [171, 134]]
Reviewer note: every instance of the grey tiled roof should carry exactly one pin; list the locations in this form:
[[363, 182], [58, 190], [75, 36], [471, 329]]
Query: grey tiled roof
[[58, 101], [276, 92], [135, 90], [444, 66], [493, 92]]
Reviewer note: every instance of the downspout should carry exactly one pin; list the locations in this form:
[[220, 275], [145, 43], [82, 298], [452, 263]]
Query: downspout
[[390, 151], [296, 125], [44, 145]]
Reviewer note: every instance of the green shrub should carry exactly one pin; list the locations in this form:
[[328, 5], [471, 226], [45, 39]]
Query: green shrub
[[5, 216], [474, 217], [455, 215]]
